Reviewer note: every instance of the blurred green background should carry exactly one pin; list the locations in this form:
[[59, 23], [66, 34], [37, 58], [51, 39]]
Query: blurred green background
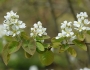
[[51, 13]]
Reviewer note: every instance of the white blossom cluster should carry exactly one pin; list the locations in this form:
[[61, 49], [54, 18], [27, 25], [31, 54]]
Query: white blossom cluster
[[66, 31], [38, 30], [82, 22], [2, 33], [85, 69], [12, 25]]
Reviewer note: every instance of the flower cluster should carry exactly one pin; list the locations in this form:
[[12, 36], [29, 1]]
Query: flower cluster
[[38, 30], [2, 33], [82, 22], [12, 25], [66, 31]]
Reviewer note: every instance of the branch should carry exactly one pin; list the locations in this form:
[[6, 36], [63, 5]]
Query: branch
[[53, 15], [71, 8], [35, 5], [85, 43], [62, 13]]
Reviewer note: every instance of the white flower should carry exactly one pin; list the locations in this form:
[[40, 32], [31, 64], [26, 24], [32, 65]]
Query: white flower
[[33, 67], [76, 24], [69, 24], [39, 23], [63, 33], [85, 69], [38, 30], [35, 26], [31, 34], [66, 31], [52, 49], [10, 15], [59, 36], [82, 23], [82, 15], [12, 24]]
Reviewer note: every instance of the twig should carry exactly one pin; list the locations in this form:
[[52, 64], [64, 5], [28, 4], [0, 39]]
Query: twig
[[53, 16], [88, 50], [71, 8], [85, 43], [69, 63], [62, 13], [35, 5]]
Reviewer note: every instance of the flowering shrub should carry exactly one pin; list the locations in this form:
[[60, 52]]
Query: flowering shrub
[[71, 33]]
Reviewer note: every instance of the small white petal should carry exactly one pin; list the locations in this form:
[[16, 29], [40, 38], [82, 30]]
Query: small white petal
[[39, 23], [57, 37], [22, 25], [31, 34], [35, 26]]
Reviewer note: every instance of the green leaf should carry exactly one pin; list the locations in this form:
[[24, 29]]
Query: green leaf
[[88, 32], [40, 51], [29, 46], [81, 36], [46, 58], [63, 47], [9, 38], [5, 54], [27, 55], [8, 49], [42, 37], [24, 36], [46, 45], [55, 45], [14, 46], [40, 46], [56, 42], [80, 44], [72, 52]]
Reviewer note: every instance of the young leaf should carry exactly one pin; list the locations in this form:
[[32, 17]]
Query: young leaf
[[56, 42], [40, 46], [55, 45], [9, 38], [81, 37], [72, 52], [42, 37], [5, 54], [80, 44], [29, 46], [46, 45], [64, 47], [40, 51], [14, 46], [46, 58], [24, 36], [27, 55]]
